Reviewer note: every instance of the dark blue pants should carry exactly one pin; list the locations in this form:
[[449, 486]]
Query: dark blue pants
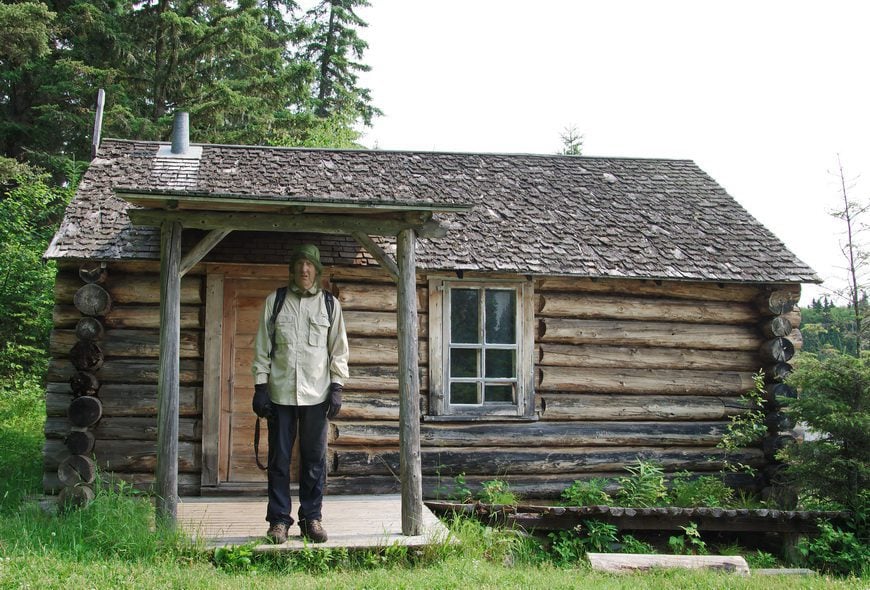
[[311, 423]]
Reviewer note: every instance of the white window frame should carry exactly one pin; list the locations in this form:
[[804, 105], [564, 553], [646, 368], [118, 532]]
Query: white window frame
[[440, 407]]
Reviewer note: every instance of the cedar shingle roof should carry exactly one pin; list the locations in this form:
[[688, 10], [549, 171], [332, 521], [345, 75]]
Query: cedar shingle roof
[[535, 214]]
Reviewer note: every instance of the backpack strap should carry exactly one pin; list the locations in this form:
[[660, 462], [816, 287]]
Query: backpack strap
[[257, 445], [329, 298], [280, 296]]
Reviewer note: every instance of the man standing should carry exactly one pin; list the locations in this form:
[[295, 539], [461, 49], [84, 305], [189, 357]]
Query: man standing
[[300, 365]]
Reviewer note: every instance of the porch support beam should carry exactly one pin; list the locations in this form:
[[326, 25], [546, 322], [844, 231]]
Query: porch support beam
[[384, 259], [410, 471], [168, 375], [202, 248], [314, 223]]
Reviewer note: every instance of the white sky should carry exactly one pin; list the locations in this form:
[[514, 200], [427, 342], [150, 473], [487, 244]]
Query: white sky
[[762, 94]]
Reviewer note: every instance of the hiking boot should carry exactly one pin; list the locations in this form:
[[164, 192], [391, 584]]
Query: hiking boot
[[312, 530], [277, 532]]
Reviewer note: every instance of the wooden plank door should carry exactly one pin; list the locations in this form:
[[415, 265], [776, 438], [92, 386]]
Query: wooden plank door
[[243, 301]]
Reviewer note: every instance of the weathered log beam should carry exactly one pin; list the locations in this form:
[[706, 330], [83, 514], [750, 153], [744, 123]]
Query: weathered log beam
[[623, 562], [379, 351], [127, 455], [127, 371], [188, 483], [126, 289], [776, 350], [201, 249], [638, 407], [630, 333], [128, 343], [168, 373], [776, 327], [92, 300], [641, 357], [384, 259], [529, 434], [499, 461], [85, 411], [380, 323], [316, 223], [360, 296], [623, 307], [779, 301], [538, 486], [703, 291], [370, 406], [111, 429], [65, 316], [123, 399], [643, 381]]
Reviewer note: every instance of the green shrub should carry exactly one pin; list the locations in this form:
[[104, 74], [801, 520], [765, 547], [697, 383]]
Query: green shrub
[[631, 544], [706, 490], [645, 486], [747, 428], [497, 491], [689, 543], [591, 492], [834, 401], [836, 550]]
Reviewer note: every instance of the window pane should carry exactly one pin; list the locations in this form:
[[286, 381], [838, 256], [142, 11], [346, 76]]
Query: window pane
[[500, 393], [463, 393], [464, 316], [500, 363], [501, 314], [464, 362]]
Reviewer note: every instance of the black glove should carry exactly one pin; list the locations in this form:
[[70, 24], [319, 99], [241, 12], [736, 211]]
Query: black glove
[[262, 404], [334, 399]]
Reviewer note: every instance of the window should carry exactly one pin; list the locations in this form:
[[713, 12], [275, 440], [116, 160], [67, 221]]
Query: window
[[480, 348]]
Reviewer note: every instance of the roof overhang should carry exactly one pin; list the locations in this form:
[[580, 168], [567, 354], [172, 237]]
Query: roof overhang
[[185, 200]]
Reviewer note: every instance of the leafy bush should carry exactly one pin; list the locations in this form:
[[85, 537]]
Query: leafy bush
[[835, 550], [706, 490], [29, 211], [631, 544], [689, 543], [587, 493], [834, 401], [645, 486], [497, 491], [747, 428]]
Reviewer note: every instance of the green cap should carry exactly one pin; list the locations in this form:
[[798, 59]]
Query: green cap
[[310, 253]]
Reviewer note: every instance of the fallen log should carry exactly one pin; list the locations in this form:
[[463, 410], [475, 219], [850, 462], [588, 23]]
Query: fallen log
[[627, 562]]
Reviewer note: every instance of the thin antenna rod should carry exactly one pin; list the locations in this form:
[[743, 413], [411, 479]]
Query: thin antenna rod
[[98, 123]]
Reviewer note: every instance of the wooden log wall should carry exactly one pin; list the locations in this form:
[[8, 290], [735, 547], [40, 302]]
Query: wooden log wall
[[624, 369], [109, 356]]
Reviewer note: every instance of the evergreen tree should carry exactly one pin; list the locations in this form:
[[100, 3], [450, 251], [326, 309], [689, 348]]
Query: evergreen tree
[[335, 47], [244, 69], [572, 142]]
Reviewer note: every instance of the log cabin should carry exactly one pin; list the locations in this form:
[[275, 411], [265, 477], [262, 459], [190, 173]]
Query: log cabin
[[568, 314]]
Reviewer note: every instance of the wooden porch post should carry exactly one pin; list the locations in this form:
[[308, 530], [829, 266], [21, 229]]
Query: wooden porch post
[[409, 386], [167, 381]]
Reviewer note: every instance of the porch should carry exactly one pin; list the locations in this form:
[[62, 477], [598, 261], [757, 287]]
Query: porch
[[353, 522]]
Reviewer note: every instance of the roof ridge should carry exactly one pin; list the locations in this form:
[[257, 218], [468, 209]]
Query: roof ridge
[[398, 151]]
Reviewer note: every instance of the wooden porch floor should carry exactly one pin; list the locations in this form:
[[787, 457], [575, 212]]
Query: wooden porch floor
[[354, 522]]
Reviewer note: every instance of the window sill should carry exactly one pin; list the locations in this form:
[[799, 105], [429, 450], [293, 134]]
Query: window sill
[[470, 418]]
